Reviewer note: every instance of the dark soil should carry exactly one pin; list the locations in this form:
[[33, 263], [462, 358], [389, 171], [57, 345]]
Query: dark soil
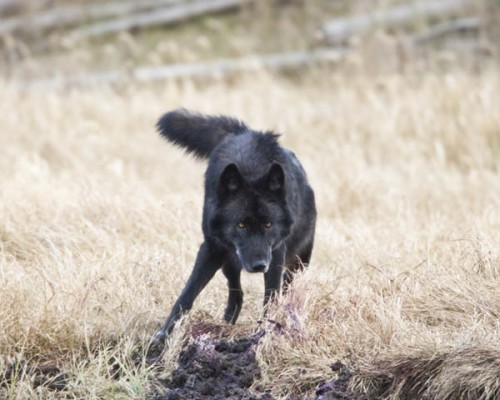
[[216, 369], [211, 368], [338, 388]]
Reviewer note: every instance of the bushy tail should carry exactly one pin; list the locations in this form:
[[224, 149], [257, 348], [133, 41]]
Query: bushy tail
[[198, 134]]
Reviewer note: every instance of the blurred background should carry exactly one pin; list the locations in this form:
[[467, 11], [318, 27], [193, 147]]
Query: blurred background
[[53, 42]]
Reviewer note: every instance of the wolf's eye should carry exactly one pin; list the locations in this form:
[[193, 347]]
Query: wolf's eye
[[268, 224], [241, 225]]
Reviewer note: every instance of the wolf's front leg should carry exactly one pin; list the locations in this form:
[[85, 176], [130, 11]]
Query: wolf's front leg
[[208, 261], [274, 277], [235, 298]]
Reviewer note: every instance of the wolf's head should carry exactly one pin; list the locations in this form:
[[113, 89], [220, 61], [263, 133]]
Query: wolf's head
[[252, 216]]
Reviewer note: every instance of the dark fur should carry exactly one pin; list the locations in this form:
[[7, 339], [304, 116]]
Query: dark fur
[[250, 181]]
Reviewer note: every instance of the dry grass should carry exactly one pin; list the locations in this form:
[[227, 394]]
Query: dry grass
[[99, 226]]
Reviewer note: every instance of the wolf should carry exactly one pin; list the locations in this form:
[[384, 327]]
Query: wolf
[[259, 212]]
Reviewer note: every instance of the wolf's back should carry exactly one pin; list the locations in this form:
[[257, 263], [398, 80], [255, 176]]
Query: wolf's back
[[197, 133]]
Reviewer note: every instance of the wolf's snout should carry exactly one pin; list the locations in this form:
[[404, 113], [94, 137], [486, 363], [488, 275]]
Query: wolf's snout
[[259, 267]]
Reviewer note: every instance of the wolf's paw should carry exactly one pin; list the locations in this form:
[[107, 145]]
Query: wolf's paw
[[156, 346], [160, 336]]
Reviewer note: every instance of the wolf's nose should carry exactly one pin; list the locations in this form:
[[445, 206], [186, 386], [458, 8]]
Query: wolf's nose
[[259, 267]]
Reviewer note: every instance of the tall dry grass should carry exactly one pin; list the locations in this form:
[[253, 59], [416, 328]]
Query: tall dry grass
[[100, 223]]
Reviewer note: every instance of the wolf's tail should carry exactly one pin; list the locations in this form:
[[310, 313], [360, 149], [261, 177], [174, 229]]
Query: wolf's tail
[[197, 133]]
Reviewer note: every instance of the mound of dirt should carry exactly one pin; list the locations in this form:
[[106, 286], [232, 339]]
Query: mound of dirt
[[226, 369], [216, 369]]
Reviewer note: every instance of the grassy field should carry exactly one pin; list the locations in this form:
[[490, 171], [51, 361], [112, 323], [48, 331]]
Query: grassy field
[[100, 224]]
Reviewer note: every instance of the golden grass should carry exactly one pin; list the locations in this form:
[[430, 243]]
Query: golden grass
[[100, 223]]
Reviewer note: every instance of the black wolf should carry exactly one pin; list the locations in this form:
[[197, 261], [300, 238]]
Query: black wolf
[[259, 213]]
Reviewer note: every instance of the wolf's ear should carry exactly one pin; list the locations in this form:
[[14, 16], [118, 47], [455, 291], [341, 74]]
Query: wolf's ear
[[230, 180], [275, 178]]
